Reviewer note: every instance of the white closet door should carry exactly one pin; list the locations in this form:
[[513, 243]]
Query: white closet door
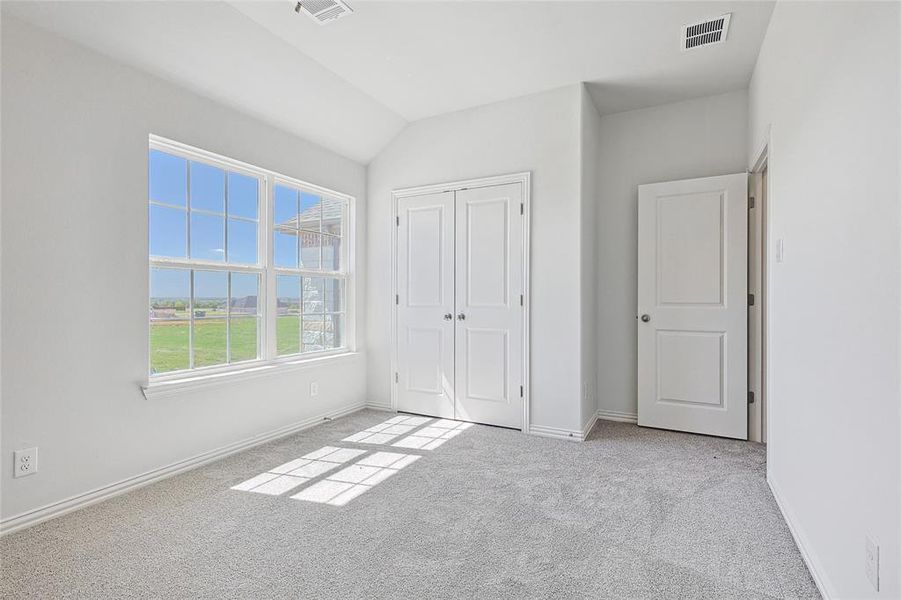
[[489, 328], [425, 286]]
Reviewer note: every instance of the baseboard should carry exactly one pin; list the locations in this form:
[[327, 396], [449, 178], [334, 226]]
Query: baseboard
[[810, 559], [573, 435], [586, 429], [57, 509], [379, 406], [620, 417]]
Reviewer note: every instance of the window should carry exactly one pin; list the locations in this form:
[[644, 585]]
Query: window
[[215, 251], [308, 230]]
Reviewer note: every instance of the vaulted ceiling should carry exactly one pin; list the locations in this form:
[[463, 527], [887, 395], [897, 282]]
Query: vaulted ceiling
[[352, 85]]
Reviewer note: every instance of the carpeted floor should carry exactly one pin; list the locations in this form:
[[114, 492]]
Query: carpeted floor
[[491, 513]]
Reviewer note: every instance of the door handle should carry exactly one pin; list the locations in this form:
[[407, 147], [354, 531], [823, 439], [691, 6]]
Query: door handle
[[645, 318], [448, 316], [461, 317]]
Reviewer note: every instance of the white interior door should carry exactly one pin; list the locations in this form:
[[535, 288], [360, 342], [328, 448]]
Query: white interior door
[[692, 305], [425, 304], [489, 323]]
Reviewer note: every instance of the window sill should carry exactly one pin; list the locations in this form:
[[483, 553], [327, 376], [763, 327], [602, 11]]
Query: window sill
[[190, 383]]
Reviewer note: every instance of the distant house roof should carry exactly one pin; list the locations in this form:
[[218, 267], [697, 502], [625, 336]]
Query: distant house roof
[[332, 211], [245, 303]]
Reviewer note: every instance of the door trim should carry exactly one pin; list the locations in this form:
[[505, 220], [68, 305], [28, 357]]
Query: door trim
[[523, 178], [760, 160]]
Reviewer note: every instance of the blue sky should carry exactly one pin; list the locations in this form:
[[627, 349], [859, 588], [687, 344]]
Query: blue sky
[[218, 200], [168, 227]]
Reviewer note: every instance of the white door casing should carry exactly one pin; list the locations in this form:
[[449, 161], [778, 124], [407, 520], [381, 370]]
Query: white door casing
[[692, 305], [489, 284], [425, 304]]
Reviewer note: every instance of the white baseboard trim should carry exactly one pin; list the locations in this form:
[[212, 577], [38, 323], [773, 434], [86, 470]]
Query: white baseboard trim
[[57, 509], [827, 591], [379, 406], [621, 417], [586, 429], [573, 435]]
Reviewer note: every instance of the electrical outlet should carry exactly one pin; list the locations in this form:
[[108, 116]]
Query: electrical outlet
[[314, 389], [26, 462], [872, 564]]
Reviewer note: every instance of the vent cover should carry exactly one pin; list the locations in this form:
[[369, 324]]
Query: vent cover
[[323, 11], [705, 33]]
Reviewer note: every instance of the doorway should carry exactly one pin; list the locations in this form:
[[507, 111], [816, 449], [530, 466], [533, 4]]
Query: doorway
[[460, 301]]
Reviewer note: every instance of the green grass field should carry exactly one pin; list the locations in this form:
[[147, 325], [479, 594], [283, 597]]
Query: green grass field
[[169, 343]]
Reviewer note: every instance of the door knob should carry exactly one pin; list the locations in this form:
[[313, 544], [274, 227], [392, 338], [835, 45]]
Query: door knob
[[645, 318], [461, 317], [448, 316]]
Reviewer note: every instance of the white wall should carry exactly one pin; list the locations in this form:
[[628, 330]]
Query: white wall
[[538, 133], [212, 49], [75, 283], [590, 180], [695, 138], [826, 82]]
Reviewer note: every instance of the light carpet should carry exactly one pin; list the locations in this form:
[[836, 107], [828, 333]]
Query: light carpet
[[491, 513]]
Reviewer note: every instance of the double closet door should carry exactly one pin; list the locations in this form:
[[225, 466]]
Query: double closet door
[[460, 306]]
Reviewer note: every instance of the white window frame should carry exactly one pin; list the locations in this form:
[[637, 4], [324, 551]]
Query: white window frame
[[267, 300]]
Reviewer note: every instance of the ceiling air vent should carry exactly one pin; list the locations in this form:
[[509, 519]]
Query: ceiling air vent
[[706, 33], [323, 11]]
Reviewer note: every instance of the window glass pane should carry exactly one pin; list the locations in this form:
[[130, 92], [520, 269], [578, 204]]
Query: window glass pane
[[242, 241], [209, 342], [170, 294], [210, 293], [331, 253], [287, 292], [313, 295], [285, 210], [309, 250], [168, 231], [311, 333], [207, 188], [169, 306], [243, 338], [334, 295], [245, 291], [243, 196], [168, 178], [334, 215], [310, 211], [207, 237], [333, 332], [169, 346], [284, 253]]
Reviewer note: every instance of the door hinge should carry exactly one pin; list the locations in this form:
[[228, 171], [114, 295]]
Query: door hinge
[[750, 397], [397, 298], [520, 391], [751, 203], [522, 301], [396, 377], [398, 220], [522, 208], [750, 299]]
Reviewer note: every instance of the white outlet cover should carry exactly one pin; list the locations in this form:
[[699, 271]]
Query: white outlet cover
[[25, 462], [314, 388]]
